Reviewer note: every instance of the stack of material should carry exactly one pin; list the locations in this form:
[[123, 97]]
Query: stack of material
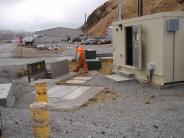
[[93, 62], [6, 95]]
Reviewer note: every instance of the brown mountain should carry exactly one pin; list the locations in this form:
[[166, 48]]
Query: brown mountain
[[104, 15]]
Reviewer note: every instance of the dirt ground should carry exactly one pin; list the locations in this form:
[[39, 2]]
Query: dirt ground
[[122, 110], [28, 52], [103, 96]]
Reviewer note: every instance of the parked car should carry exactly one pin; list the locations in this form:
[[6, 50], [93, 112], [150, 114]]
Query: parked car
[[29, 41], [63, 40], [76, 39], [90, 41], [93, 41], [104, 40], [83, 41]]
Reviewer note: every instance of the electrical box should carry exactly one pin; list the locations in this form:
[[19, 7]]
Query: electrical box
[[135, 29], [137, 46], [150, 66], [172, 25], [90, 54]]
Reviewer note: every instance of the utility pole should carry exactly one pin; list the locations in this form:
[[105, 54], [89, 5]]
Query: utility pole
[[119, 8], [21, 44], [140, 8], [85, 26]]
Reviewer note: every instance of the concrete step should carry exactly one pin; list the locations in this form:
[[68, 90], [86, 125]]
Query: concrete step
[[126, 74], [119, 78]]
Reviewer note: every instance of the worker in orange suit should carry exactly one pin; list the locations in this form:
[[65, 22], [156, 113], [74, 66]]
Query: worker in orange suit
[[81, 63], [20, 40]]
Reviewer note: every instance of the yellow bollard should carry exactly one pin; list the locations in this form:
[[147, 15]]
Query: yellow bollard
[[40, 120], [41, 92]]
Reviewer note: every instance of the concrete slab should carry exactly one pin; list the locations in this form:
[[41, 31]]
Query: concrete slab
[[75, 82], [67, 92], [76, 93], [117, 78], [73, 100], [51, 82], [83, 78], [61, 91], [6, 95]]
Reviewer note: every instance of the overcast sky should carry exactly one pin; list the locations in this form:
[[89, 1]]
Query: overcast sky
[[32, 15]]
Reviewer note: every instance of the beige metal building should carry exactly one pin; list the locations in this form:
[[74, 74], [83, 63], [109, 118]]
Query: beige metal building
[[150, 47]]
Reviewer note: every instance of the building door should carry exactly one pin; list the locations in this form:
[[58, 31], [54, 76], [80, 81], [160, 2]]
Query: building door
[[129, 46], [133, 46]]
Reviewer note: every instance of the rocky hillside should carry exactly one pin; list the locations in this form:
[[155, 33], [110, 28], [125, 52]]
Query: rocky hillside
[[104, 15]]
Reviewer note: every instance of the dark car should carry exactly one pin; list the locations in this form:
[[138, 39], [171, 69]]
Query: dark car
[[29, 41], [76, 39]]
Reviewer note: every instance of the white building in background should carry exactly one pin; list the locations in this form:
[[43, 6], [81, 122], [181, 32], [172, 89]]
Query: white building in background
[[58, 34]]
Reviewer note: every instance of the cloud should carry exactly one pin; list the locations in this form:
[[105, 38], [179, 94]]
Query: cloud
[[31, 15], [9, 2]]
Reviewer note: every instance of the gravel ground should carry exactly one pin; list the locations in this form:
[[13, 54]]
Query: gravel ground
[[139, 111]]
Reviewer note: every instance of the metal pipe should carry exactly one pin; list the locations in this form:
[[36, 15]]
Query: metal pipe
[[140, 8], [1, 123], [86, 30], [174, 38], [119, 8]]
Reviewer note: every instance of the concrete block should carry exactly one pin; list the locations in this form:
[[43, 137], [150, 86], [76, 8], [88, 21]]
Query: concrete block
[[58, 68], [6, 95]]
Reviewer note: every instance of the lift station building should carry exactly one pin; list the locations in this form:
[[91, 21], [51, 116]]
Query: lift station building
[[150, 44]]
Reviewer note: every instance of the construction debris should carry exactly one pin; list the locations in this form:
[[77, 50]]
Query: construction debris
[[53, 47]]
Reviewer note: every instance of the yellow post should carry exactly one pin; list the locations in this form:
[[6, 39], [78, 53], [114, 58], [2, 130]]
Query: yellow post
[[40, 120], [41, 92]]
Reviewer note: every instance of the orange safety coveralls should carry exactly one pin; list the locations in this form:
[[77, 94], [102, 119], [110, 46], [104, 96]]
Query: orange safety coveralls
[[20, 40], [81, 60]]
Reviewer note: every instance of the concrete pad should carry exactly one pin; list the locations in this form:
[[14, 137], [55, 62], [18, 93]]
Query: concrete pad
[[117, 78], [51, 82], [76, 93], [75, 99], [75, 82], [83, 78], [61, 91], [6, 95], [67, 92]]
